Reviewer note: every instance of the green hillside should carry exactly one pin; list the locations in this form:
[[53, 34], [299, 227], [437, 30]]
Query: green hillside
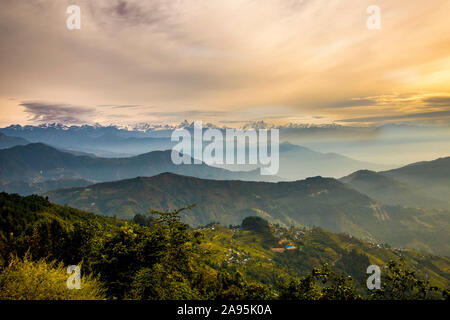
[[314, 247], [166, 259], [317, 201]]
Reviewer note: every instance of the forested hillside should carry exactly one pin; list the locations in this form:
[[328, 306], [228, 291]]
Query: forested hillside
[[317, 201], [156, 256]]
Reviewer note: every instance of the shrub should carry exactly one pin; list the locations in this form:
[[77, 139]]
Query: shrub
[[256, 224], [24, 279]]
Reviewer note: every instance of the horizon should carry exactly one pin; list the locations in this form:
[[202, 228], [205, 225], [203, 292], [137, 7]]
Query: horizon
[[137, 125]]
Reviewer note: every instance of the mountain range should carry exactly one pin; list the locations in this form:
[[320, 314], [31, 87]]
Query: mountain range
[[390, 144], [104, 141], [39, 163], [387, 188], [298, 162], [316, 201], [8, 142], [406, 207], [431, 178]]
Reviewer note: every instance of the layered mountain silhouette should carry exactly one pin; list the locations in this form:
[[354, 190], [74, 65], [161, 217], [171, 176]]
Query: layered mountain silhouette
[[28, 188], [423, 184], [389, 191], [431, 178], [317, 201], [8, 142], [37, 163], [407, 206], [106, 141], [297, 162]]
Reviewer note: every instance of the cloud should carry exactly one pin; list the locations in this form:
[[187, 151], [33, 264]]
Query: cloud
[[441, 101], [45, 112], [132, 13], [191, 114], [307, 55], [127, 106], [357, 102], [438, 115]]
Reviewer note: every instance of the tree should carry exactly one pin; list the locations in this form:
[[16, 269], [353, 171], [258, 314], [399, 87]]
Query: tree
[[402, 283], [142, 220], [235, 287], [321, 284], [173, 274], [257, 224]]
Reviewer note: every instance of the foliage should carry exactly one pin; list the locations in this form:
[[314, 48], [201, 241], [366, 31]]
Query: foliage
[[321, 284], [25, 279], [401, 283], [256, 224], [142, 220], [160, 257], [235, 287]]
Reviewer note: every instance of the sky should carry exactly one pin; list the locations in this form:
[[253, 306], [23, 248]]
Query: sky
[[225, 61]]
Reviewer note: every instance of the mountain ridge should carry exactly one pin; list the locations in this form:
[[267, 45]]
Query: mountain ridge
[[316, 201], [9, 142], [39, 162], [422, 184], [386, 189]]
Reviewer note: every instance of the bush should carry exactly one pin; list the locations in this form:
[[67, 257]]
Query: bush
[[24, 279], [256, 224], [402, 283], [157, 284], [321, 284]]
